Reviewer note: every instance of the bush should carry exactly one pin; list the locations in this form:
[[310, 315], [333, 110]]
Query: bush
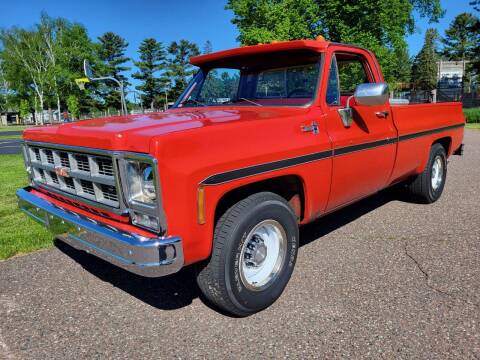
[[472, 115]]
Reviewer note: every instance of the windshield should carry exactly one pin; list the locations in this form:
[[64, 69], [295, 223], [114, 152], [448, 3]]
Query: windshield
[[292, 85]]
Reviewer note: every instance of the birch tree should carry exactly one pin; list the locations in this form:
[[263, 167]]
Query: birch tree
[[26, 50]]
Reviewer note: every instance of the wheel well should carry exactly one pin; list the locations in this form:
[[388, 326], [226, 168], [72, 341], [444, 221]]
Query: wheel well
[[289, 187], [446, 142]]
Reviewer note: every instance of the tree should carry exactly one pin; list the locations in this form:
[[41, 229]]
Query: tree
[[5, 91], [40, 65], [379, 25], [207, 47], [73, 106], [24, 109], [27, 64], [152, 60], [179, 68], [460, 39], [111, 52], [48, 29], [476, 31], [403, 71], [424, 71]]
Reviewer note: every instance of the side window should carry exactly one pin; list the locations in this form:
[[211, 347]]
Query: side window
[[351, 73], [333, 94]]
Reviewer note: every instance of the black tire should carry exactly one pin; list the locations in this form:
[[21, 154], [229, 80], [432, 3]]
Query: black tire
[[421, 189], [220, 279]]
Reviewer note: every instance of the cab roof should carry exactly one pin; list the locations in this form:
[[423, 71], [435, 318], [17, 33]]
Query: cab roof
[[309, 45]]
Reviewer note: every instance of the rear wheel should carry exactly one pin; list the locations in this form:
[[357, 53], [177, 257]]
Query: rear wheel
[[428, 186], [254, 253]]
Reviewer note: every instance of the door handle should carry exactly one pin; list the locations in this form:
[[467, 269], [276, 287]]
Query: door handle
[[382, 114], [312, 128]]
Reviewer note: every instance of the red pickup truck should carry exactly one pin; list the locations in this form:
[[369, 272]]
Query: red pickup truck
[[264, 138]]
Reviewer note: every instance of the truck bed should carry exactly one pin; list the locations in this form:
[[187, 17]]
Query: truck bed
[[419, 125]]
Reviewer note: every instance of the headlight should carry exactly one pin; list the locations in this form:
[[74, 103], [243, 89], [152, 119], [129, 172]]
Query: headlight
[[139, 176], [141, 182]]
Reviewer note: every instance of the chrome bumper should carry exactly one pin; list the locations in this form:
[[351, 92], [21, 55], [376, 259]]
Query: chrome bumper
[[151, 257]]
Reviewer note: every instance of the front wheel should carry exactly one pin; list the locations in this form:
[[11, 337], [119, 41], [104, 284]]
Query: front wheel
[[254, 253], [428, 186]]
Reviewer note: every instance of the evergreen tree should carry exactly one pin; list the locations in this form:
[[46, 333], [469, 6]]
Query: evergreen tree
[[403, 69], [476, 32], [179, 68], [424, 71], [460, 39], [111, 52], [207, 47], [152, 60]]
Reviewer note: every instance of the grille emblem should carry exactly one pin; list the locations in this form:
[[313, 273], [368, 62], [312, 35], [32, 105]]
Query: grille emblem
[[62, 171]]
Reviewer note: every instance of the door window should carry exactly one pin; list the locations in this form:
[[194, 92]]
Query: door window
[[352, 71], [333, 91]]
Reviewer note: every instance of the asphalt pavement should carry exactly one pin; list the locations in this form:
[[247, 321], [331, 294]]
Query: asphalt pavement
[[382, 278], [10, 147], [10, 133]]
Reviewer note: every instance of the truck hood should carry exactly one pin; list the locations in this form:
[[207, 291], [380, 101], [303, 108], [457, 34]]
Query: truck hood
[[134, 132]]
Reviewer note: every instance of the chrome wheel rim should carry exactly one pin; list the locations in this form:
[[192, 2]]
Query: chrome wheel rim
[[263, 255], [437, 173]]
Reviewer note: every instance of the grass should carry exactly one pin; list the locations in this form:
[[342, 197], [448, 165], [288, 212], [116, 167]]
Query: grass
[[14, 127], [18, 233], [10, 137], [473, 126], [472, 115]]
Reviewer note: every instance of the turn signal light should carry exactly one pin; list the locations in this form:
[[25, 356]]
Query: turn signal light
[[201, 205]]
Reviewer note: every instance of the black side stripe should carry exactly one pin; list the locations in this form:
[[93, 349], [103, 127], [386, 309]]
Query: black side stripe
[[365, 146], [259, 169], [281, 164], [428, 132]]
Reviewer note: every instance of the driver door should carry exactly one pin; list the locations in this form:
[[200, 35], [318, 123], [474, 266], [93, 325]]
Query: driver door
[[364, 153]]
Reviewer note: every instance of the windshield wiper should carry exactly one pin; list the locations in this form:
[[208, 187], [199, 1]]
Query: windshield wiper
[[250, 101], [194, 101]]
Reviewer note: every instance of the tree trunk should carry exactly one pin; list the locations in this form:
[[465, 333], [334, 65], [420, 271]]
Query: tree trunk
[[35, 113], [42, 120], [58, 108]]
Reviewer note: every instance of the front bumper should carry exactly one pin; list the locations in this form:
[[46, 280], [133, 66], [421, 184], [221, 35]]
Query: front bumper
[[151, 257]]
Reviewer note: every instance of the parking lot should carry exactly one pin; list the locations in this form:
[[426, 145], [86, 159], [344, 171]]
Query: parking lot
[[380, 279]]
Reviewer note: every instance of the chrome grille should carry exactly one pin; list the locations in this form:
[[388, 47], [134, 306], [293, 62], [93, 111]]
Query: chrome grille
[[64, 160], [82, 163], [109, 192], [89, 176], [54, 178], [105, 167], [49, 156]]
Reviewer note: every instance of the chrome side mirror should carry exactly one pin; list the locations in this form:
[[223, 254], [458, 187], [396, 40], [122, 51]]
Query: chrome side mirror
[[371, 94], [367, 95]]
